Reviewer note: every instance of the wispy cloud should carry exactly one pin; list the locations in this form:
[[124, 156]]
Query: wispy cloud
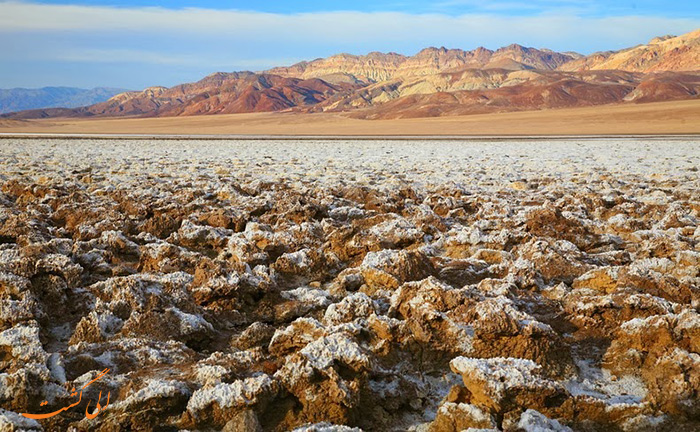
[[19, 17], [509, 5], [207, 40], [92, 55]]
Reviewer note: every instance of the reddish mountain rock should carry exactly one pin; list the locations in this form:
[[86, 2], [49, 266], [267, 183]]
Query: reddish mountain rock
[[219, 93], [549, 91], [434, 82]]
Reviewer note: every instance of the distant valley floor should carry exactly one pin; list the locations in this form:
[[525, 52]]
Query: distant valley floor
[[678, 117]]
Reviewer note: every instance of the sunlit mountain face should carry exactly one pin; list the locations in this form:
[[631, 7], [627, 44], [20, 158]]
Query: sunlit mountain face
[[433, 82]]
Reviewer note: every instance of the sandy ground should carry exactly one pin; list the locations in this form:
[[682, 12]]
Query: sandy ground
[[681, 117]]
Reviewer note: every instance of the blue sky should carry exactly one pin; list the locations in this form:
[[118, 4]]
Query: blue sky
[[514, 7], [135, 44]]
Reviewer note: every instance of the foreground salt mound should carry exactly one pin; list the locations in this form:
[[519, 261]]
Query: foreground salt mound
[[453, 416], [533, 421], [326, 427], [13, 422], [501, 384], [218, 404], [351, 287], [664, 350], [326, 373], [430, 311]]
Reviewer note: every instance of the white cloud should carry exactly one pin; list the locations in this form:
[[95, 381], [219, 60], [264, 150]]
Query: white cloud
[[91, 55], [555, 6], [131, 47], [338, 27]]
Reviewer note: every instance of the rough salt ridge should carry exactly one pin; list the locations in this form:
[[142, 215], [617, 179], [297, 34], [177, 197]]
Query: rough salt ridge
[[329, 285]]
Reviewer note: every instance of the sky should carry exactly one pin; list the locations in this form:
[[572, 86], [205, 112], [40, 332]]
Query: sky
[[137, 44]]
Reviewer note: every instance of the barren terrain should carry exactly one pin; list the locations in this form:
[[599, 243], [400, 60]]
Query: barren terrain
[[329, 285], [435, 82], [680, 117]]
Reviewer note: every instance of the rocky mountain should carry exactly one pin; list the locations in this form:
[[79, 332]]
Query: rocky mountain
[[17, 99], [219, 93], [372, 67], [667, 53], [433, 82], [377, 67], [536, 90]]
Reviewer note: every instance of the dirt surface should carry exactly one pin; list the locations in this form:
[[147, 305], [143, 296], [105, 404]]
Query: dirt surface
[[652, 118]]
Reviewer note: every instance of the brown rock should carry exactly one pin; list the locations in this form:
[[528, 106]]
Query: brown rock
[[387, 269], [500, 385]]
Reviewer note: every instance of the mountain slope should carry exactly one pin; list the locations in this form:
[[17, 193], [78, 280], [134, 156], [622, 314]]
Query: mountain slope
[[433, 82], [550, 90], [219, 93], [17, 99], [668, 53], [376, 67]]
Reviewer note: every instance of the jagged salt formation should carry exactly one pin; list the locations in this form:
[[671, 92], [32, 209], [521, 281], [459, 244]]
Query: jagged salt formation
[[333, 286]]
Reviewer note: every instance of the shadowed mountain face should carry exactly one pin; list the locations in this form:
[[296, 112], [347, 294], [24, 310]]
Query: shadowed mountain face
[[219, 93], [17, 99], [499, 90], [434, 82]]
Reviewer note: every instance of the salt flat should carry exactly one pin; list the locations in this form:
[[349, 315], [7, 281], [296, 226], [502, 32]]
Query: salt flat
[[418, 161], [421, 285]]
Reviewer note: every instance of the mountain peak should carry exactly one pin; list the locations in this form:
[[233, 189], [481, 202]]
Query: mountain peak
[[664, 53], [659, 39], [431, 50], [514, 47], [434, 81]]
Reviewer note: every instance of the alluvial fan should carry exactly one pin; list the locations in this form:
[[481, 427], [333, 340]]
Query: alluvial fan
[[350, 285]]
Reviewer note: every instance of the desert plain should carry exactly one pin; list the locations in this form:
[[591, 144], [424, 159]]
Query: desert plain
[[674, 117]]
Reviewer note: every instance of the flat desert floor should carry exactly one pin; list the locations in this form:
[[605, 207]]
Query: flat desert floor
[[349, 285], [681, 117]]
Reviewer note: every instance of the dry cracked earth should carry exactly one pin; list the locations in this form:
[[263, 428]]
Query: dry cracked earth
[[343, 286]]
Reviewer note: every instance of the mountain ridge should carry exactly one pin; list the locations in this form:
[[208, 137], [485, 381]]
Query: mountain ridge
[[20, 98], [664, 53], [376, 66], [435, 81]]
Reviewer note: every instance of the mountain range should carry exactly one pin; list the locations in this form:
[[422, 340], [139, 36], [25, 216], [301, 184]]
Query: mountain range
[[434, 82], [17, 99]]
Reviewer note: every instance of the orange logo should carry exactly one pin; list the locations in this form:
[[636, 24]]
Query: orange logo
[[89, 415]]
